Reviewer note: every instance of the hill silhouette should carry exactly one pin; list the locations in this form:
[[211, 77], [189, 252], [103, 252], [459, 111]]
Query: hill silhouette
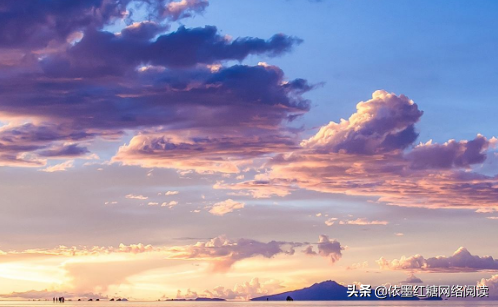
[[324, 291]]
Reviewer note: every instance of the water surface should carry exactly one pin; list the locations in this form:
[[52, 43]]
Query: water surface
[[483, 303]]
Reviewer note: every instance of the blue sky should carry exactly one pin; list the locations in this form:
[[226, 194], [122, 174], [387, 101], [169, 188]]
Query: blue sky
[[440, 54]]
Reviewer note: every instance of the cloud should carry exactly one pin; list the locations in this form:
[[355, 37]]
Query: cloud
[[95, 269], [59, 167], [244, 291], [62, 256], [66, 151], [189, 294], [224, 207], [50, 22], [223, 252], [72, 82], [358, 266], [460, 261], [133, 196], [184, 8], [36, 24], [258, 188], [363, 221], [170, 204], [99, 276], [372, 154], [96, 53], [492, 284], [358, 221], [486, 210], [71, 251], [49, 294], [331, 221], [30, 145], [448, 155], [327, 248], [87, 269], [171, 193], [382, 124], [217, 147]]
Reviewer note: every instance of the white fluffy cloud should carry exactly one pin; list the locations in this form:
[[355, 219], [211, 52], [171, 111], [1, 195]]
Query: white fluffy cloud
[[492, 284]]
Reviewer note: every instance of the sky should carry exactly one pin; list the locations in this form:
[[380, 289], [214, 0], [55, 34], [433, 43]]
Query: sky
[[180, 149]]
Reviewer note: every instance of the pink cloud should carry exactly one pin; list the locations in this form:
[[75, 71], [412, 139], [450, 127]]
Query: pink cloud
[[171, 193], [461, 261], [369, 155], [170, 204], [358, 266], [259, 188], [64, 166], [184, 8], [244, 291], [139, 197], [358, 221], [224, 207], [223, 252], [492, 284]]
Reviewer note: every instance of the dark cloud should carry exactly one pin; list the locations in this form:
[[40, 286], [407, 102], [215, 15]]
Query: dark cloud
[[102, 53], [327, 248], [36, 23], [216, 102], [449, 155], [73, 81], [29, 144], [220, 99], [66, 151]]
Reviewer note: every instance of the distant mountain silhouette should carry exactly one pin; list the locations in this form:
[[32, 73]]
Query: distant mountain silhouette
[[325, 291], [199, 299], [207, 299]]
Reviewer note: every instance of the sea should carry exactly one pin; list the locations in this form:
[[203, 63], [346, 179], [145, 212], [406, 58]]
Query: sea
[[452, 303]]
